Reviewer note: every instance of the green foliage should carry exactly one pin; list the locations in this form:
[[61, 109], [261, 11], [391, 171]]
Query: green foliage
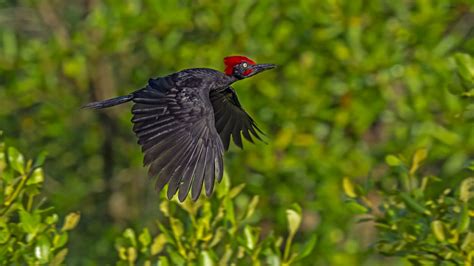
[[357, 80], [464, 75], [212, 232], [29, 233], [415, 219]]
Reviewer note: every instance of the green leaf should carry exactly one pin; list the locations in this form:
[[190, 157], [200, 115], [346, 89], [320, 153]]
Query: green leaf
[[176, 227], [71, 221], [438, 230], [163, 261], [158, 244], [251, 207], [145, 239], [348, 187], [40, 160], [52, 219], [357, 208], [3, 163], [129, 234], [419, 156], [42, 249], [465, 66], [224, 187], [463, 219], [307, 248], [131, 254], [4, 233], [250, 237], [205, 259], [165, 208], [468, 243], [122, 252], [294, 221], [413, 204], [393, 160], [218, 235], [36, 177], [16, 159], [236, 191], [30, 222], [466, 190], [229, 210], [60, 240], [59, 258]]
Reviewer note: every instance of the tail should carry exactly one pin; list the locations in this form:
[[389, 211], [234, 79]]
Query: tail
[[109, 102]]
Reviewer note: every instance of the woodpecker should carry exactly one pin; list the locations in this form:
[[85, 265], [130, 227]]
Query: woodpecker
[[184, 122]]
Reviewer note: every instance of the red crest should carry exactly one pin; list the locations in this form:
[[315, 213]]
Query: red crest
[[231, 61]]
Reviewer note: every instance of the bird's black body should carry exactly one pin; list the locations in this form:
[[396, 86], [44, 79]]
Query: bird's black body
[[183, 123]]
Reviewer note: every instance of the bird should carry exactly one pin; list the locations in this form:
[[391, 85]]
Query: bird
[[184, 122]]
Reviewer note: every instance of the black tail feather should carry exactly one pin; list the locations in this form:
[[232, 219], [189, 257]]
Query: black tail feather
[[109, 102]]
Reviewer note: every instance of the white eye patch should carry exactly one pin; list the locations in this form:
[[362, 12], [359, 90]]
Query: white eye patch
[[244, 65]]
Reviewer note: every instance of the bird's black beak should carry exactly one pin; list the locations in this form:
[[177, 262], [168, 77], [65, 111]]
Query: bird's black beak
[[260, 68]]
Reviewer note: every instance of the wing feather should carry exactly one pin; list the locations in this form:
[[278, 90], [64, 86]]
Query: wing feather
[[175, 126], [231, 119]]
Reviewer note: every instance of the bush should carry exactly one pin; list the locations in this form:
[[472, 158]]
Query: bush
[[415, 217], [29, 232], [212, 232]]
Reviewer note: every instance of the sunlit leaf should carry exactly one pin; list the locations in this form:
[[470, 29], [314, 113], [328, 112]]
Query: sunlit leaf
[[52, 219], [251, 207], [122, 253], [30, 222], [132, 254], [16, 160], [463, 219], [219, 234], [59, 258], [36, 177], [250, 237], [205, 259], [357, 208], [294, 220], [468, 242], [236, 190], [348, 187], [466, 190], [163, 261], [60, 240], [392, 160], [164, 208], [42, 249], [145, 238], [438, 230], [129, 234], [176, 227], [71, 221], [158, 244], [3, 163], [419, 156], [465, 69]]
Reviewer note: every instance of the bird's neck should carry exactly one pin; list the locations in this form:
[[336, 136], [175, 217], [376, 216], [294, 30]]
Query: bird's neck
[[226, 80]]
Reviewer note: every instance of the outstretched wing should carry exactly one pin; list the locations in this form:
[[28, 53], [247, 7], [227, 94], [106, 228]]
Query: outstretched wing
[[175, 128], [231, 118]]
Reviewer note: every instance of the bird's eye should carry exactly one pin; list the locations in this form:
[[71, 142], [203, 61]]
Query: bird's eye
[[244, 65]]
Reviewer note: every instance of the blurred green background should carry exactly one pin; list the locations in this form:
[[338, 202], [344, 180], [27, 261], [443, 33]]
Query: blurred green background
[[357, 80]]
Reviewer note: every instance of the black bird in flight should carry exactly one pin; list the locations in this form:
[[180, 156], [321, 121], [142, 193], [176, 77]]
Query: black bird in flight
[[184, 122]]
